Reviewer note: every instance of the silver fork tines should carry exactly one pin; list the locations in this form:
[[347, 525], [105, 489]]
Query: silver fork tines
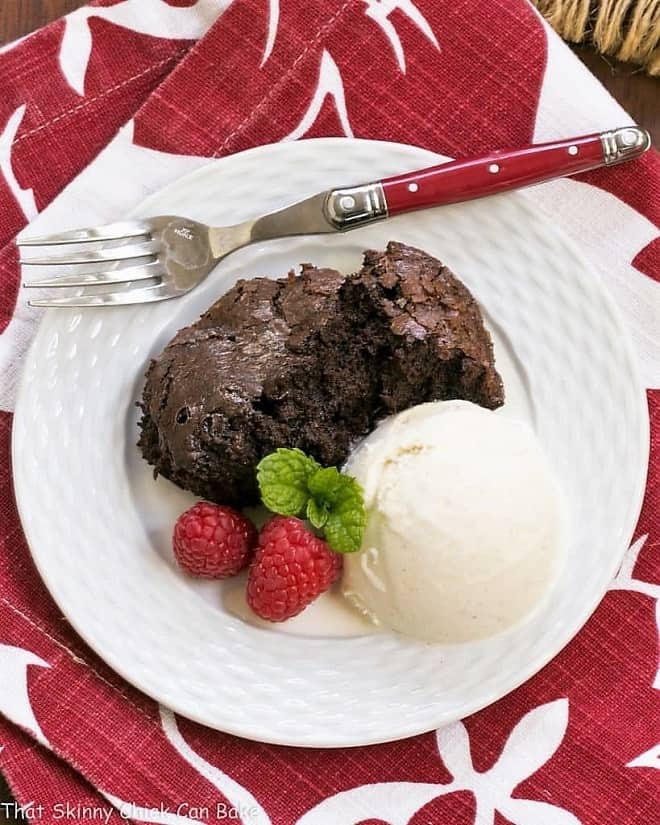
[[130, 262], [109, 232], [113, 245], [97, 256], [113, 276], [145, 295]]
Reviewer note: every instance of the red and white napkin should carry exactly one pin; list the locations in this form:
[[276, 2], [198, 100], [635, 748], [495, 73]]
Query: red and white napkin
[[124, 96]]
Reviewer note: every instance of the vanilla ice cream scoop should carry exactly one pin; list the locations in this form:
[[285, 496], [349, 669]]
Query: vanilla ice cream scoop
[[464, 519]]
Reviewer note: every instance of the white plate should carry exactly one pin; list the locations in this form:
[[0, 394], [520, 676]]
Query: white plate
[[99, 526]]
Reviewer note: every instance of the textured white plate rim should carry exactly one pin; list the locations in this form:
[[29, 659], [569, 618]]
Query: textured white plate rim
[[402, 729]]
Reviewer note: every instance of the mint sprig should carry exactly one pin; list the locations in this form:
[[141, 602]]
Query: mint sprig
[[293, 484]]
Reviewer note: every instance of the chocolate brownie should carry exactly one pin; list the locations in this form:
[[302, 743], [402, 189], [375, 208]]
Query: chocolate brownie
[[310, 361]]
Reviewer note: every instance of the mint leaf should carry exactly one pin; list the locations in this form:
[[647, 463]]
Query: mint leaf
[[344, 531], [283, 477], [341, 497], [326, 484], [316, 513]]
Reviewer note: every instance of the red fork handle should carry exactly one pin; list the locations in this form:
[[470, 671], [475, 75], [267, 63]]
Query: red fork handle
[[463, 180]]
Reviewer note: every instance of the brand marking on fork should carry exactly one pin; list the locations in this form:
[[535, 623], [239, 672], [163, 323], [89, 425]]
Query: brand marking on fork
[[184, 232]]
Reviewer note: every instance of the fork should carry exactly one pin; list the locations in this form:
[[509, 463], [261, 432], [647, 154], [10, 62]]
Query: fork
[[166, 256]]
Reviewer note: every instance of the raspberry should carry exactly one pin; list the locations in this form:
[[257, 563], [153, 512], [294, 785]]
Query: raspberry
[[213, 542], [291, 568]]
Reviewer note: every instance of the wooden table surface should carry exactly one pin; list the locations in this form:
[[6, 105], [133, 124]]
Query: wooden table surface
[[636, 92]]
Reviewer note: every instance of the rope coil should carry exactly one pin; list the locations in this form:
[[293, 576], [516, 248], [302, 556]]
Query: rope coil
[[628, 30]]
